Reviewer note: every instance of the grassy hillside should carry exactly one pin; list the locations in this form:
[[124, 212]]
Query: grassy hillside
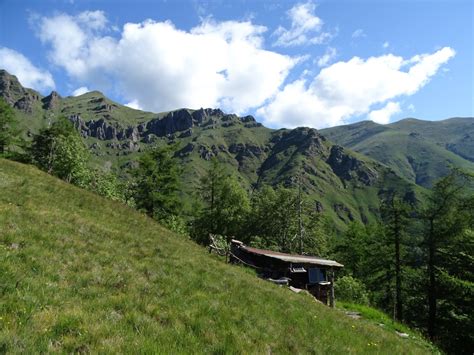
[[420, 151], [80, 273]]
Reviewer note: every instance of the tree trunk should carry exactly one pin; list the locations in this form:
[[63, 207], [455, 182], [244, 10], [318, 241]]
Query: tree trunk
[[398, 273], [332, 299], [432, 283]]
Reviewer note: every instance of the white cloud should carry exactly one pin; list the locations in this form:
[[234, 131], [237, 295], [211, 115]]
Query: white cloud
[[134, 104], [80, 91], [29, 75], [385, 44], [295, 105], [347, 89], [327, 57], [358, 33], [383, 115], [305, 27], [159, 67], [411, 107]]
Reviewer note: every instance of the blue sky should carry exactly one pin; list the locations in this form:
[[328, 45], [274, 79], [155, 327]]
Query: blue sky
[[289, 63]]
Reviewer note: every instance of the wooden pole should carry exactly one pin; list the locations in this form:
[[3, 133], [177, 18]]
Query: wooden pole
[[331, 290]]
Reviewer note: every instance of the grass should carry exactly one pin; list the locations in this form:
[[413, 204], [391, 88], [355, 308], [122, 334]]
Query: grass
[[83, 274], [378, 317]]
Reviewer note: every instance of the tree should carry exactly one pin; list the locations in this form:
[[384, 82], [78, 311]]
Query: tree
[[211, 185], [447, 216], [283, 220], [8, 132], [156, 183], [60, 151], [395, 213], [225, 205]]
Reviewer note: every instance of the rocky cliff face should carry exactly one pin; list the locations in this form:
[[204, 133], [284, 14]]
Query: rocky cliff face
[[176, 122], [348, 167], [15, 94]]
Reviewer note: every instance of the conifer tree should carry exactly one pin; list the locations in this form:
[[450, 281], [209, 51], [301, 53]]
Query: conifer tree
[[156, 183], [395, 213], [8, 132], [448, 217]]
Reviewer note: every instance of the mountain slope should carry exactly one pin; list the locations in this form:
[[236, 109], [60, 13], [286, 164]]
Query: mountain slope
[[420, 151], [345, 185], [83, 274]]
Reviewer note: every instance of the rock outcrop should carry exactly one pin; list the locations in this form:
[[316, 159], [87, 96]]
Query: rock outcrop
[[15, 94], [51, 101], [348, 167]]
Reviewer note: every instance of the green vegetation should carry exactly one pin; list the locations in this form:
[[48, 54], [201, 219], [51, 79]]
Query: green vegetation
[[378, 317], [349, 289], [156, 183], [8, 132], [345, 184], [430, 273], [80, 273], [406, 249], [59, 151], [448, 224], [224, 206]]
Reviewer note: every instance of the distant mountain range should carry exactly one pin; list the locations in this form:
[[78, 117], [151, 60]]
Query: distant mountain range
[[420, 151], [344, 178]]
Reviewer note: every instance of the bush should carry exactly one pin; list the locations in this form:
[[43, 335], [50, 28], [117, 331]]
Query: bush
[[351, 289]]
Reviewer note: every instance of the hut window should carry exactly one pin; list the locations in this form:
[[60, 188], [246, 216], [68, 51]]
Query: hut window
[[316, 275], [297, 268]]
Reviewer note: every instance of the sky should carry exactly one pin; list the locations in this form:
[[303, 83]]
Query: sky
[[289, 63]]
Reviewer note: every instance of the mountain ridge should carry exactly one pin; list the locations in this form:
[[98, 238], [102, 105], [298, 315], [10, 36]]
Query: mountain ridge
[[418, 150], [345, 185]]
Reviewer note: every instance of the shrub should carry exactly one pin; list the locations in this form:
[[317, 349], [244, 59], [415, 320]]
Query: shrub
[[351, 289]]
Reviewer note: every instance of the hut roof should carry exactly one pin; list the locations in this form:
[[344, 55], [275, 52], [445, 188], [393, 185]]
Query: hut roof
[[292, 258]]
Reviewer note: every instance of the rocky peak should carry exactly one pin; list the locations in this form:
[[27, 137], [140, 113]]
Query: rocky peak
[[10, 88], [308, 140], [203, 114], [51, 101], [15, 94]]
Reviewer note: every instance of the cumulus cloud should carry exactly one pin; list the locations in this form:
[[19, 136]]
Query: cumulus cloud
[[80, 91], [383, 115], [28, 74], [134, 104], [347, 89], [159, 67], [385, 44], [327, 57], [305, 27]]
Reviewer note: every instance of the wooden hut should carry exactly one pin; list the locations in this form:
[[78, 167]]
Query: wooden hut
[[300, 271]]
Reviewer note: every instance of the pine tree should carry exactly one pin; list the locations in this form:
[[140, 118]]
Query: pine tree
[[8, 132], [448, 215], [156, 183], [225, 206], [395, 213]]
